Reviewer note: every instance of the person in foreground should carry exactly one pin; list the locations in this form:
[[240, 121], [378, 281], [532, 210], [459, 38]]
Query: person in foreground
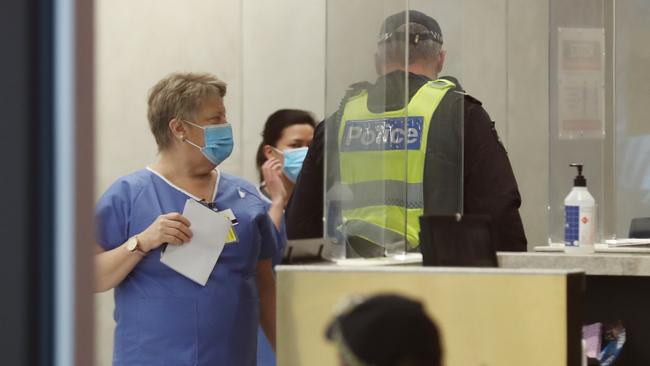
[[386, 330], [164, 318]]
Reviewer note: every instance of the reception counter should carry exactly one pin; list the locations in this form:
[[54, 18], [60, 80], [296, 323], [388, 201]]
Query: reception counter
[[616, 287], [487, 316]]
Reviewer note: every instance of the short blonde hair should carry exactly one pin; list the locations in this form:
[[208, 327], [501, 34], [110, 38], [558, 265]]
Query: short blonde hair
[[179, 95]]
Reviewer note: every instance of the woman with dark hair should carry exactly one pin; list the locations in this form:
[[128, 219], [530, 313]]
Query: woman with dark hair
[[285, 140]]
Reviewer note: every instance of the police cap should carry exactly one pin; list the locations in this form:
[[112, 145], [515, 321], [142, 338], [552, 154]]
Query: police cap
[[388, 31]]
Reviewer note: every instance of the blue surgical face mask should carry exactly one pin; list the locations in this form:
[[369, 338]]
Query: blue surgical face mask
[[293, 159], [218, 141]]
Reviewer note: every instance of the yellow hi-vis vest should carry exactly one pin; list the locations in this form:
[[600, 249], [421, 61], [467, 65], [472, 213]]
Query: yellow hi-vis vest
[[382, 159]]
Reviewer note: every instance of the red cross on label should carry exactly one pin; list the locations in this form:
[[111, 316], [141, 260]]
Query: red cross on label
[[585, 220]]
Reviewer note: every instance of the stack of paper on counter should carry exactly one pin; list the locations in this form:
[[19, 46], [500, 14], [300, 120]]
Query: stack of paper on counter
[[627, 242]]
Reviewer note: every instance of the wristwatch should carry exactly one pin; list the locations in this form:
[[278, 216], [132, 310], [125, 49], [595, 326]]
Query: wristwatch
[[133, 245]]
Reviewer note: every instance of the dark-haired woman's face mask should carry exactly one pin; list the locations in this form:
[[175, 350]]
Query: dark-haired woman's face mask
[[293, 159], [292, 148]]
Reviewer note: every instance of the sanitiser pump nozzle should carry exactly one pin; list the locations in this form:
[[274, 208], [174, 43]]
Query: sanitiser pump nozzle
[[580, 180]]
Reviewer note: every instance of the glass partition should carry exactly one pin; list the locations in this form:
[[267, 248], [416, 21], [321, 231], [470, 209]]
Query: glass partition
[[631, 113], [580, 129], [394, 136], [598, 107]]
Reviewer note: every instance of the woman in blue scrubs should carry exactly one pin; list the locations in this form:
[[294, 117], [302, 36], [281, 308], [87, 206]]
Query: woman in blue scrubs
[[164, 318]]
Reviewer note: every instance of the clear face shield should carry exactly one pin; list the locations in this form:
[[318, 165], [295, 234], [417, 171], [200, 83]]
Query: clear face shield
[[382, 148]]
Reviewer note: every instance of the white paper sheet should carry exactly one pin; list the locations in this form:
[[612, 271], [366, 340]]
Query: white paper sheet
[[197, 258], [627, 242]]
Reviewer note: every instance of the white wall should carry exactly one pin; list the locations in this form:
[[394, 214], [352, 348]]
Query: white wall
[[139, 42], [283, 63], [272, 54]]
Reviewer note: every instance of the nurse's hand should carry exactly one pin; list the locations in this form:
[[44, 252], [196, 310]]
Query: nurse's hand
[[272, 174], [170, 228]]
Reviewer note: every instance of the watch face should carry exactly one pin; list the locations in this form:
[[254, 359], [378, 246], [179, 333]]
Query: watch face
[[132, 244]]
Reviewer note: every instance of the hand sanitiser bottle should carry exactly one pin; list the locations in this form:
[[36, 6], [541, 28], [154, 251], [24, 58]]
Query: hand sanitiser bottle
[[579, 217]]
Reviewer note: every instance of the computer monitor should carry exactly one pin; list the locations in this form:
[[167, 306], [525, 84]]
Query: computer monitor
[[457, 241]]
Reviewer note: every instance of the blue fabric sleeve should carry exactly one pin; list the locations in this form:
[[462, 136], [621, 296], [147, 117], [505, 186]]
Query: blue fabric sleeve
[[280, 236], [281, 239], [269, 238], [111, 216]]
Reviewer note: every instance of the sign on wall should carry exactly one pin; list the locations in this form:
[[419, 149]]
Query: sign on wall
[[581, 83]]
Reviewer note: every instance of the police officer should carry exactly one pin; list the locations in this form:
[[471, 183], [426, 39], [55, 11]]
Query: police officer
[[489, 185]]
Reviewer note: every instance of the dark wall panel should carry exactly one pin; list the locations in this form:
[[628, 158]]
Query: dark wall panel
[[25, 150]]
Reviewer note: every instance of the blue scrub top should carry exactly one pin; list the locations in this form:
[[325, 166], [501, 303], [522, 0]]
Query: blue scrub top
[[265, 354], [164, 318]]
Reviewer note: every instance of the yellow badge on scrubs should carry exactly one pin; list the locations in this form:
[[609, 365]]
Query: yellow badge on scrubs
[[232, 236]]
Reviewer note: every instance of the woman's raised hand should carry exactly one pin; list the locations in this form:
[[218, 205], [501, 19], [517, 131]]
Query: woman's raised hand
[[272, 174]]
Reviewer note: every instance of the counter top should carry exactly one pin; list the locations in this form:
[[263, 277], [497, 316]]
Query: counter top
[[607, 262], [413, 269], [593, 264]]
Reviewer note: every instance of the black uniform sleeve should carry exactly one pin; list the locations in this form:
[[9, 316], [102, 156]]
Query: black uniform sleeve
[[304, 213], [490, 186]]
